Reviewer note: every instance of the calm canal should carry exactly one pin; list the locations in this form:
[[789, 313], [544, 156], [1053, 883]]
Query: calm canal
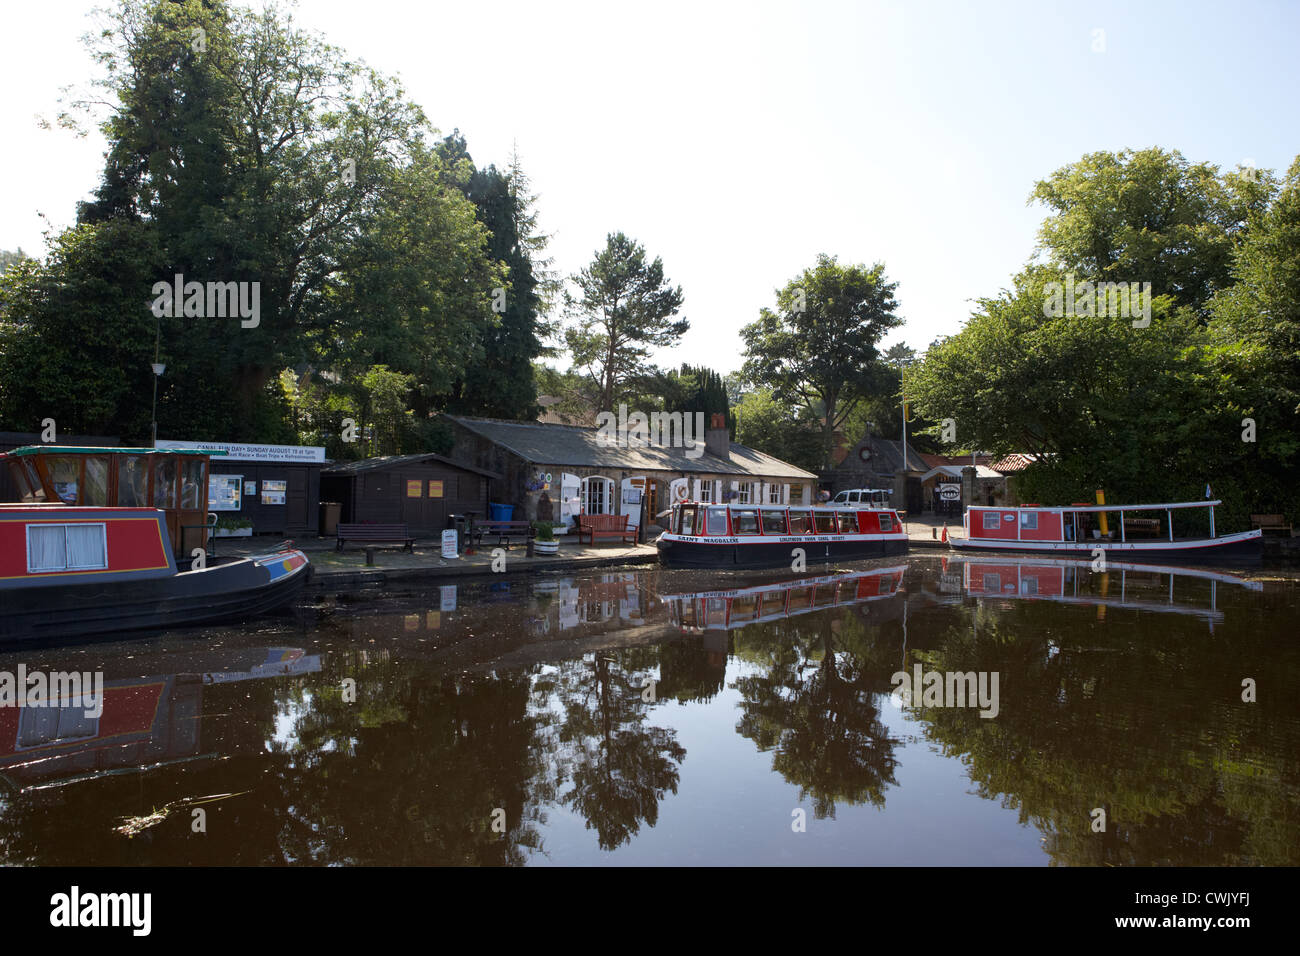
[[656, 717]]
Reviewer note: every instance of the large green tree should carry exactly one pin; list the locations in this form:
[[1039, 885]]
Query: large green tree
[[818, 348], [624, 308], [249, 151]]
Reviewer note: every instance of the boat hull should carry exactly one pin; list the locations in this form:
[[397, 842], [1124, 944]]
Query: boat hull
[[225, 589], [1247, 546], [679, 552]]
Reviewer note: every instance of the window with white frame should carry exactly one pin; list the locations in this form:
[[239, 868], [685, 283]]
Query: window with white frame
[[992, 520], [746, 493], [66, 547], [774, 495], [597, 495], [1029, 520], [706, 490]]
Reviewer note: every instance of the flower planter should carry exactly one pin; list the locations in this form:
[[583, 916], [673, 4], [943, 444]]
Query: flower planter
[[546, 547]]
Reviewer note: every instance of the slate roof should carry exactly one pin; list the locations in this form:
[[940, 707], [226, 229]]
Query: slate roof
[[388, 461], [583, 447]]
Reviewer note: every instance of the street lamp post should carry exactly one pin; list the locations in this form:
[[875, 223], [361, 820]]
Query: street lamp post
[[158, 369]]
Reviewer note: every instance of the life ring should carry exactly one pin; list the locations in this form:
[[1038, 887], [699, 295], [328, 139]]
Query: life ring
[[681, 493]]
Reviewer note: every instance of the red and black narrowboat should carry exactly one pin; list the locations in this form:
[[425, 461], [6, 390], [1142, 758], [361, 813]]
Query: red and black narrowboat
[[85, 553], [703, 535], [1083, 530]]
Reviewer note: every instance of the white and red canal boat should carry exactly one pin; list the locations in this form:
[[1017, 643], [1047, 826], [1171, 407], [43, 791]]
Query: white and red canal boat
[[84, 553], [703, 535], [1145, 533]]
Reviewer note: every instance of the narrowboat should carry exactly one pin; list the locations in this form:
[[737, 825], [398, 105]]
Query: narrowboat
[[84, 553], [1083, 531], [701, 611], [704, 535]]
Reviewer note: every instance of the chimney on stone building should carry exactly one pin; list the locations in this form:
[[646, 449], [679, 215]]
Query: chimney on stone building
[[716, 440]]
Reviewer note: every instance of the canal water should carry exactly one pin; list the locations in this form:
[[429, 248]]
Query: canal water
[[671, 717]]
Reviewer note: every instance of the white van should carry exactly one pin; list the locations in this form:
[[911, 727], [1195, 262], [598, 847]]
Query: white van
[[858, 497]]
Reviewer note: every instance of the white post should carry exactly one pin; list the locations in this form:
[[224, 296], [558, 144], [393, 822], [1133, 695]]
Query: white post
[[1169, 516], [1211, 521]]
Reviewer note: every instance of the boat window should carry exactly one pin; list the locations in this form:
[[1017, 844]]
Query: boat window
[[686, 521], [745, 522], [773, 522], [34, 479], [825, 521], [1029, 519], [64, 472], [164, 482], [992, 519], [886, 523], [132, 486], [848, 522], [70, 547], [744, 607], [191, 482], [799, 599], [20, 480], [96, 490], [801, 522], [717, 518]]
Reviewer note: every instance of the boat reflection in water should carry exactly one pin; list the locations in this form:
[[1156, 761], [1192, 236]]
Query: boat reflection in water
[[1070, 582], [701, 611], [146, 722]]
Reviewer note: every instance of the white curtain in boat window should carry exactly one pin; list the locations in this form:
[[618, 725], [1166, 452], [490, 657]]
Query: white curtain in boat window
[[71, 547], [45, 548], [87, 548]]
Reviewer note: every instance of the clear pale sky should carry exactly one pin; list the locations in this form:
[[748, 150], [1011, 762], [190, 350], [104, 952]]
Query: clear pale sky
[[738, 140]]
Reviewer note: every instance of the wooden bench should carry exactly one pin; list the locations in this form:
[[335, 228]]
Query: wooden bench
[[606, 526], [1145, 527], [502, 529], [375, 534], [1271, 523]]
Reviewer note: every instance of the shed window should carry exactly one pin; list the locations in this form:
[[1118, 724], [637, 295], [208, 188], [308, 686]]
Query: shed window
[[774, 494], [597, 495], [745, 493]]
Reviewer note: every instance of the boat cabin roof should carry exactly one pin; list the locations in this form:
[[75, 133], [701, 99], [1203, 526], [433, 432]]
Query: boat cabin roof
[[1098, 508], [108, 450]]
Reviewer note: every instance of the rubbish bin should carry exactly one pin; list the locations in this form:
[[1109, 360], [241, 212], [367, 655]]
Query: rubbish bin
[[498, 512], [329, 517]]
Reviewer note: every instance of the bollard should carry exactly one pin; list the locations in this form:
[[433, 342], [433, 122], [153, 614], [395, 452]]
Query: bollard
[[370, 557], [934, 533]]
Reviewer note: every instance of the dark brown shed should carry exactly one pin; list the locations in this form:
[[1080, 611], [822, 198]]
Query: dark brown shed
[[418, 490]]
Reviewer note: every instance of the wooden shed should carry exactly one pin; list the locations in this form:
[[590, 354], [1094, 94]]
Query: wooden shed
[[418, 490]]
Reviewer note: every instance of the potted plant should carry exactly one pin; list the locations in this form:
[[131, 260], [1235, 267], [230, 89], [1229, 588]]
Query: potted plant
[[232, 527], [545, 542]]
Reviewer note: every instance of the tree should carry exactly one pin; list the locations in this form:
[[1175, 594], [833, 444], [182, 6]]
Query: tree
[[625, 307], [1150, 216], [818, 348], [692, 389], [501, 383], [779, 429]]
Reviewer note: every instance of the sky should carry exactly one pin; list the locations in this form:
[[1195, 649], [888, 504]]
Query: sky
[[737, 141]]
